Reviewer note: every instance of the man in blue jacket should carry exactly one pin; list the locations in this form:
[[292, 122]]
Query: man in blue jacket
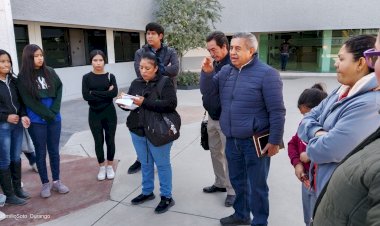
[[217, 45], [251, 98]]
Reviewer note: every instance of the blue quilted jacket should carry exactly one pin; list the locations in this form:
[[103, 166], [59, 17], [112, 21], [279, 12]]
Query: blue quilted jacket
[[251, 99]]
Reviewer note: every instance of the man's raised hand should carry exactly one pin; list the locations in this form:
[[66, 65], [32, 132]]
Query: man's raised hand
[[207, 65]]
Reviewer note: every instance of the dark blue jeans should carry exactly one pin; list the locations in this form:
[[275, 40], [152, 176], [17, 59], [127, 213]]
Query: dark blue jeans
[[248, 176], [10, 143], [46, 136], [284, 60]]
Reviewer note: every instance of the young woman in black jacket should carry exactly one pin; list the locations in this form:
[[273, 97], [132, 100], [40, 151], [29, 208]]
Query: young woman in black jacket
[[12, 120]]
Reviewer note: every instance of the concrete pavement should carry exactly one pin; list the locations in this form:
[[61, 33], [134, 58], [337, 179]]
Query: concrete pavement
[[192, 169]]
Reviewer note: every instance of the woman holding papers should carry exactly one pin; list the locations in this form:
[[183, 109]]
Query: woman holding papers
[[98, 89], [144, 91]]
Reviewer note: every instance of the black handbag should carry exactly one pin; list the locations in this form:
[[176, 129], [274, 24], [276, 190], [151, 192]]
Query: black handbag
[[161, 128], [204, 133]]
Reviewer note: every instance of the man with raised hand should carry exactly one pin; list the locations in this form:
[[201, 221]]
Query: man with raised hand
[[217, 45]]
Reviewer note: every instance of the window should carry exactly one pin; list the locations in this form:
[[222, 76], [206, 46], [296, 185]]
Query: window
[[94, 39], [22, 39], [55, 42], [65, 47], [126, 44]]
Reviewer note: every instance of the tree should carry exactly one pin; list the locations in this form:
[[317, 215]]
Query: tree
[[187, 22]]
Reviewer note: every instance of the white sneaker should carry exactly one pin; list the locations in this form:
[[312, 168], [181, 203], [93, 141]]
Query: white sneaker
[[102, 173], [2, 216], [110, 173]]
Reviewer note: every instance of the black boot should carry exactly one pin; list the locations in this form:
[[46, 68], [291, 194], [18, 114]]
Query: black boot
[[16, 180], [6, 185]]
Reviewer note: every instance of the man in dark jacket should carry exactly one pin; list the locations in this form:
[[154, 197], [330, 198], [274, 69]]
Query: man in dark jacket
[[167, 59], [167, 56], [217, 45], [251, 98]]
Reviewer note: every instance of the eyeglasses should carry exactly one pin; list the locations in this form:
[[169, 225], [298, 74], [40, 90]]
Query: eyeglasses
[[371, 56]]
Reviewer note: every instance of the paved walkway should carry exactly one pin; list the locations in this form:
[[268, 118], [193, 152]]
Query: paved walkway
[[192, 170]]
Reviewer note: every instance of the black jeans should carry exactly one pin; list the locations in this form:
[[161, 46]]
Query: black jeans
[[99, 121]]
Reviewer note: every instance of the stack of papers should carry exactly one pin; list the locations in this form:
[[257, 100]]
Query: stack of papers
[[126, 101]]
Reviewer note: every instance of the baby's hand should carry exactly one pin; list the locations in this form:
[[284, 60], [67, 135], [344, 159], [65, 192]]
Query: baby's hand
[[304, 158], [299, 171]]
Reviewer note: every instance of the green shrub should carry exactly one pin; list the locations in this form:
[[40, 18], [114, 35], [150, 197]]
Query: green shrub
[[188, 78]]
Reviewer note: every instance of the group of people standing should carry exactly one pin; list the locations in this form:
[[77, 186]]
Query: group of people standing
[[247, 94], [32, 100], [339, 177], [335, 151]]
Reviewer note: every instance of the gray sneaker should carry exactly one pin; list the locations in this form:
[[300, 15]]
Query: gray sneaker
[[45, 190], [59, 187]]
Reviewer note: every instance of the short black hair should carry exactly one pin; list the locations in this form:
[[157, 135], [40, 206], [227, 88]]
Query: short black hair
[[313, 96], [219, 37], [152, 26], [95, 52]]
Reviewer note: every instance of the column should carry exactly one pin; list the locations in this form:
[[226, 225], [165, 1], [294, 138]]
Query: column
[[34, 33], [142, 39], [110, 46], [7, 34], [326, 51]]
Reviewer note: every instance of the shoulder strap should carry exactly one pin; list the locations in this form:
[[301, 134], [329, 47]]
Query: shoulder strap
[[160, 85]]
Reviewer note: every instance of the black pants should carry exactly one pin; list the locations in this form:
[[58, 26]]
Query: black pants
[[99, 121]]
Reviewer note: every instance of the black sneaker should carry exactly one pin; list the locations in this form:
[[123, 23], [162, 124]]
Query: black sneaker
[[230, 199], [135, 167], [142, 198], [164, 205], [232, 221]]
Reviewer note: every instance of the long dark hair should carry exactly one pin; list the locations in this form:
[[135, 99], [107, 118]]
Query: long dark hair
[[3, 52], [28, 73]]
